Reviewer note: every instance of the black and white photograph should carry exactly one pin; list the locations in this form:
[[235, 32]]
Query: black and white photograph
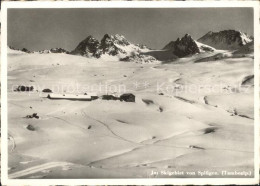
[[139, 92]]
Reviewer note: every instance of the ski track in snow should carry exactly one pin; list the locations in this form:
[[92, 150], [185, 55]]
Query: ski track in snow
[[108, 128], [37, 168], [13, 142]]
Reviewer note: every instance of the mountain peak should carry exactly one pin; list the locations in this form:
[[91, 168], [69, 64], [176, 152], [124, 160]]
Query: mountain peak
[[186, 46], [226, 39], [111, 44], [187, 36], [114, 45], [118, 36], [88, 47], [183, 47], [106, 36], [89, 37]]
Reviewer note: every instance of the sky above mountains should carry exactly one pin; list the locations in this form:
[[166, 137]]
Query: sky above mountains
[[37, 29]]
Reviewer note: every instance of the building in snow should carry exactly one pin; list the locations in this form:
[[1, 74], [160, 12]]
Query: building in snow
[[70, 97], [128, 97], [92, 95], [110, 97]]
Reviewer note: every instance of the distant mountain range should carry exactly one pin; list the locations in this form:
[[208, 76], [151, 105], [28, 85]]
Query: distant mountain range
[[118, 46]]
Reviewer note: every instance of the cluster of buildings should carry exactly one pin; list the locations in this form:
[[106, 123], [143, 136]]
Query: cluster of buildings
[[127, 97]]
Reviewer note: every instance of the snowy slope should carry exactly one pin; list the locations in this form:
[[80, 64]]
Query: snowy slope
[[204, 48], [179, 128]]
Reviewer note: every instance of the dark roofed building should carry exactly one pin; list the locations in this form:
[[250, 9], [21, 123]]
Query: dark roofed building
[[109, 97], [128, 97]]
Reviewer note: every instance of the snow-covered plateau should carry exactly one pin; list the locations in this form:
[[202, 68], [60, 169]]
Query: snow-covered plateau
[[193, 109]]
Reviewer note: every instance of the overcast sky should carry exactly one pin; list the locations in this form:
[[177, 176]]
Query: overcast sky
[[38, 29]]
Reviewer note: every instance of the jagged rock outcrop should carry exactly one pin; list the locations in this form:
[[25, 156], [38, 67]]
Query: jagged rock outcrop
[[88, 47], [187, 46], [226, 39]]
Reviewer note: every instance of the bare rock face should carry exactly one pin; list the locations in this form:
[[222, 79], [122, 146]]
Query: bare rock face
[[88, 47], [183, 47], [226, 39], [187, 46]]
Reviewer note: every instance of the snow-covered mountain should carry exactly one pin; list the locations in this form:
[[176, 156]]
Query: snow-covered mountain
[[187, 46], [110, 45], [118, 44], [226, 39]]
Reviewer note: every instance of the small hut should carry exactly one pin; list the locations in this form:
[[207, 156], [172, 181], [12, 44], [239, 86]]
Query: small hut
[[109, 97], [92, 95], [47, 90], [128, 97]]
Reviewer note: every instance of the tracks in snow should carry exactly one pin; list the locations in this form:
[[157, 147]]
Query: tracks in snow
[[37, 168], [108, 128], [13, 142], [185, 100]]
